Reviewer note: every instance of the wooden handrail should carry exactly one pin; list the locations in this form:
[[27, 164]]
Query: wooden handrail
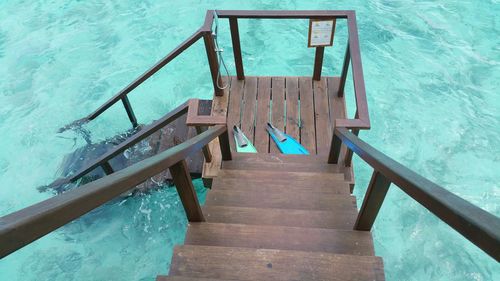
[[475, 224], [134, 139], [276, 14], [123, 93], [25, 226]]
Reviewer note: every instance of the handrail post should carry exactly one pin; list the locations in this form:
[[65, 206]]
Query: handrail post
[[235, 37], [213, 62], [333, 157], [374, 197], [185, 188], [224, 146], [205, 149], [108, 170], [345, 69], [130, 111], [318, 63]]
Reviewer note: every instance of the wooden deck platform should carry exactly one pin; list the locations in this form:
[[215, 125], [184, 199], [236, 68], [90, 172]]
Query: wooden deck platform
[[271, 216], [300, 106]]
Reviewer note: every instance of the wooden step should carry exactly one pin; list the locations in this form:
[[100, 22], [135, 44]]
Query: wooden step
[[281, 185], [275, 175], [279, 158], [304, 200], [280, 238], [338, 219], [265, 264], [184, 278], [281, 166]]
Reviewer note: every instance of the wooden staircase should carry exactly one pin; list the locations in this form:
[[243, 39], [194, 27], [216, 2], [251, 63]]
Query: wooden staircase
[[277, 217]]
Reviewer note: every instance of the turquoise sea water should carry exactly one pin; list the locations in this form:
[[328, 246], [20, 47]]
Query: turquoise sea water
[[432, 72]]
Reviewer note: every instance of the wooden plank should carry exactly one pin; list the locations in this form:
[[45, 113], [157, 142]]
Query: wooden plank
[[264, 264], [249, 102], [278, 108], [307, 128], [292, 107], [234, 107], [280, 238], [339, 218], [280, 175], [297, 200], [322, 117], [261, 142], [280, 158], [281, 186], [286, 167]]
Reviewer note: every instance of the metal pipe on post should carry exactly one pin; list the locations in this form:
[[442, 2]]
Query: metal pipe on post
[[205, 149], [235, 37], [130, 111], [185, 188], [377, 189], [213, 62], [345, 69], [318, 63]]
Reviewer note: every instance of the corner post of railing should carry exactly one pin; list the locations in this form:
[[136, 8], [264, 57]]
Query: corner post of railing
[[129, 110], [318, 63], [333, 156], [213, 63], [345, 70], [187, 194], [374, 197], [224, 146], [235, 37]]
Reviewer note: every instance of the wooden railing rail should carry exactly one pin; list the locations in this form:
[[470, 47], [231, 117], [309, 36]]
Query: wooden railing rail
[[204, 31], [103, 161], [27, 225], [475, 224]]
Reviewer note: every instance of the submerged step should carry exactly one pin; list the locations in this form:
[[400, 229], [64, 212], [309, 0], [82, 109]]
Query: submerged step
[[265, 264]]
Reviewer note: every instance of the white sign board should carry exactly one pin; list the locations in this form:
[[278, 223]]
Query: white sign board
[[321, 33]]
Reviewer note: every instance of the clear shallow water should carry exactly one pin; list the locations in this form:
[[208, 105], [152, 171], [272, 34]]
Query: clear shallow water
[[432, 71]]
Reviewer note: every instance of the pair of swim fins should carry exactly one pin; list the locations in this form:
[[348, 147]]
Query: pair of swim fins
[[286, 144]]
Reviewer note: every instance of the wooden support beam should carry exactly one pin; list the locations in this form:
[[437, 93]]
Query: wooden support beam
[[333, 157], [225, 149], [213, 62], [107, 168], [235, 37], [205, 149], [185, 188], [318, 63], [375, 194], [130, 111]]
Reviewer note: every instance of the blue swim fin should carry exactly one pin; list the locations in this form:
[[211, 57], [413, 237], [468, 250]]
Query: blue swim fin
[[286, 144]]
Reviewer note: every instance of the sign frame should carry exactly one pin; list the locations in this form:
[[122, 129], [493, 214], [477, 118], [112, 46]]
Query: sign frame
[[311, 21]]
